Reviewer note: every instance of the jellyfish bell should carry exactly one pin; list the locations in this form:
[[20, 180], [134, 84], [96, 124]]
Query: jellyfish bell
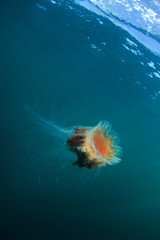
[[95, 146]]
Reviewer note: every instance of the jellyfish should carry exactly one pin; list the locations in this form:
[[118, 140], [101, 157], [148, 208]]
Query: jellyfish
[[95, 146]]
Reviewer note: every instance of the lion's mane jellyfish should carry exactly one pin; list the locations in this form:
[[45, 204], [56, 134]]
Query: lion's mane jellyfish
[[95, 146]]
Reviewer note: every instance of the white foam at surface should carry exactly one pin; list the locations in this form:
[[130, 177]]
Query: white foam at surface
[[151, 64], [126, 47], [150, 75], [157, 74], [131, 42], [143, 17], [52, 1], [137, 12]]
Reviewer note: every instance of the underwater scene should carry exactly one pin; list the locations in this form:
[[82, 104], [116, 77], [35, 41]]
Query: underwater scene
[[80, 119]]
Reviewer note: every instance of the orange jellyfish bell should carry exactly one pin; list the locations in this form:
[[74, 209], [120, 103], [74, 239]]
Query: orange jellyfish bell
[[94, 146]]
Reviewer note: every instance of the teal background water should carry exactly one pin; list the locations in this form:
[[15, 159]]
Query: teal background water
[[67, 67]]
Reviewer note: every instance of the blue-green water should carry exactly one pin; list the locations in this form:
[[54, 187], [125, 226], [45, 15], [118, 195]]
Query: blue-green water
[[69, 65]]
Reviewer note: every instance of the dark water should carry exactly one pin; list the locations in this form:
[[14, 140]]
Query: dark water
[[67, 67]]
